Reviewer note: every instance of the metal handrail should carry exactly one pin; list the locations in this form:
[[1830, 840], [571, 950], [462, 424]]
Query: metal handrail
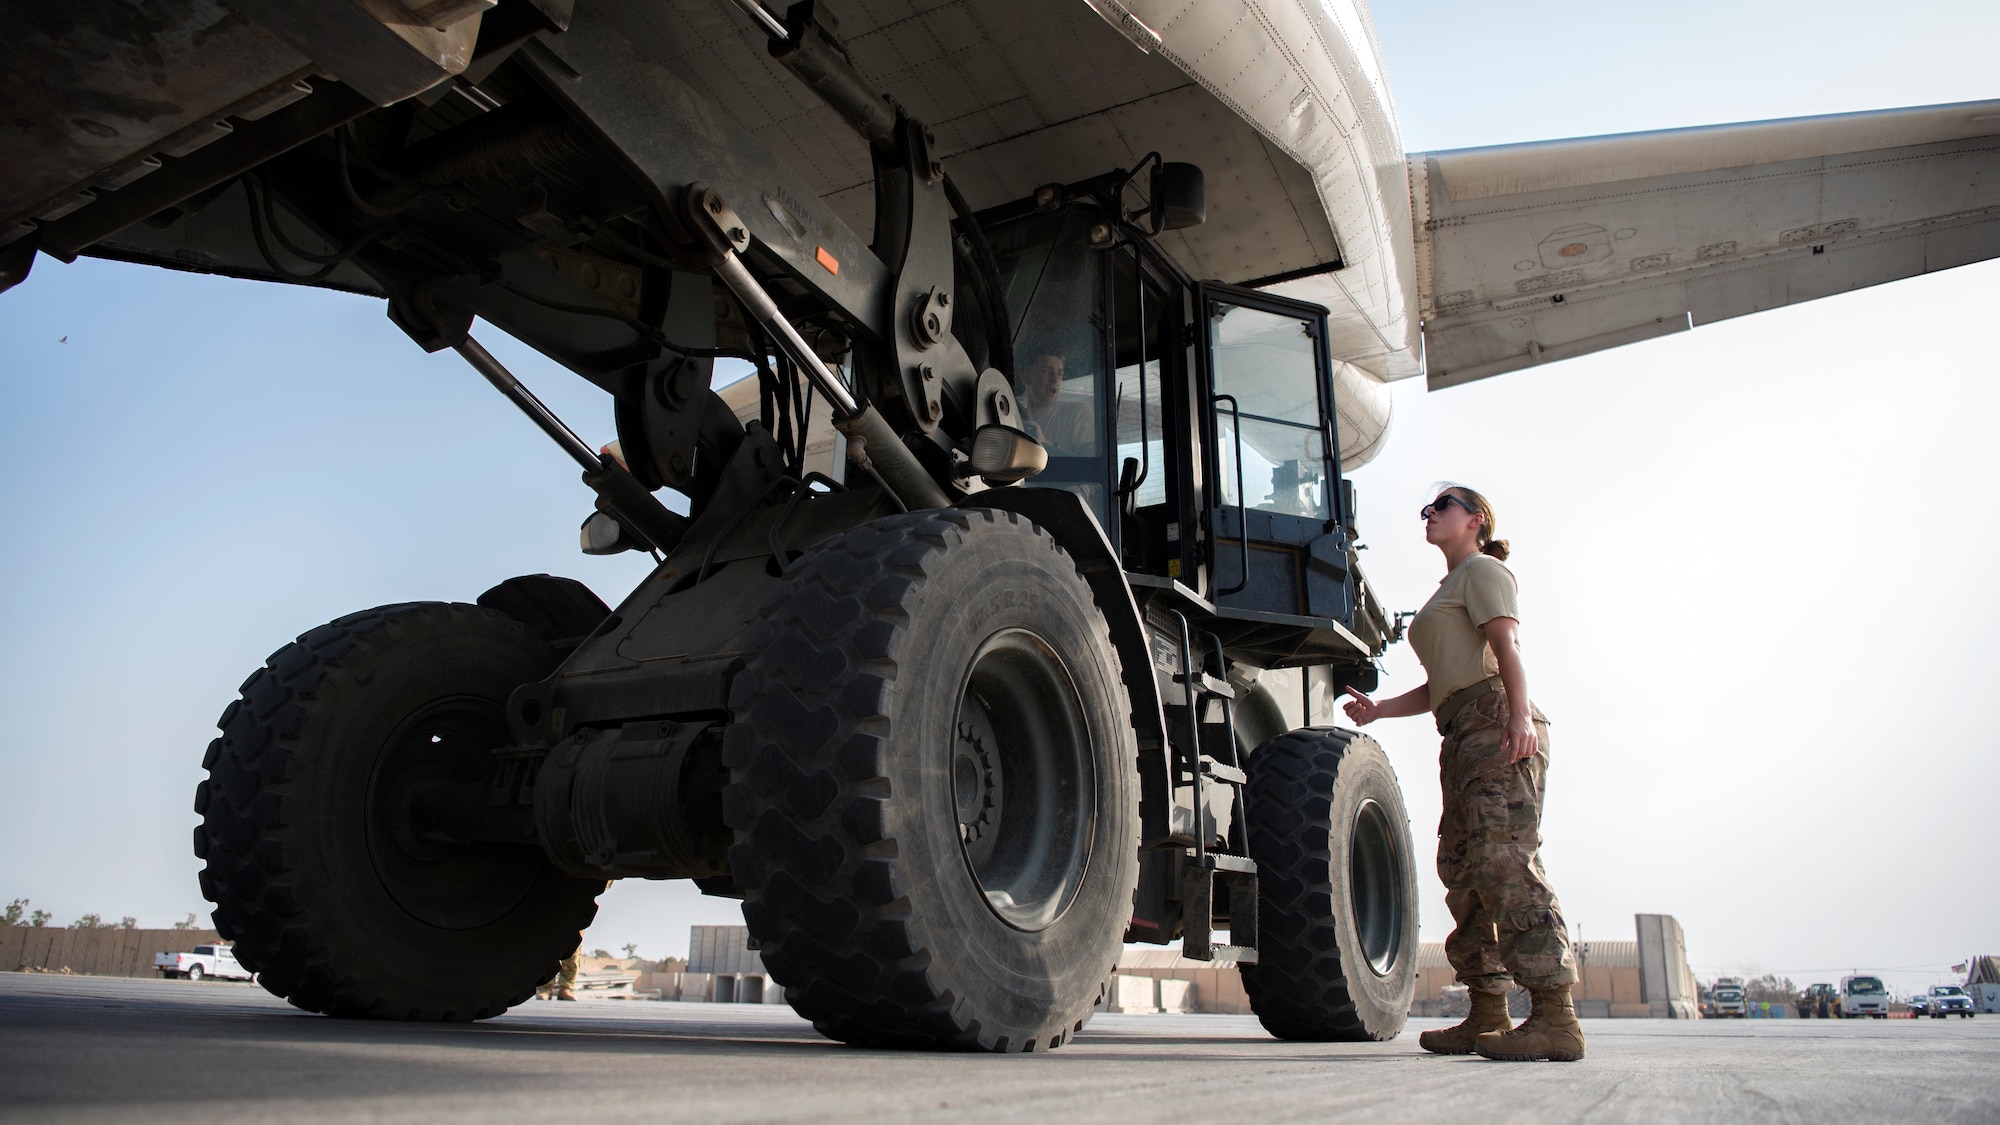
[[1242, 514], [1187, 680], [1145, 446], [1240, 830]]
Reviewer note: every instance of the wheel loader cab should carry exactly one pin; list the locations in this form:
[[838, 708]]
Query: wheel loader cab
[[1182, 413]]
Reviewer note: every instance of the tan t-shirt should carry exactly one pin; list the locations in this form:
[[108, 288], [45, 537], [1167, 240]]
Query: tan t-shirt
[[1445, 634]]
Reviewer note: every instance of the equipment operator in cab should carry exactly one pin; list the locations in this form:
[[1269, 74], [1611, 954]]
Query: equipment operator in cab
[[1508, 928], [1063, 426]]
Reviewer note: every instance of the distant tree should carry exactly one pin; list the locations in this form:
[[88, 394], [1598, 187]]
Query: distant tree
[[631, 949], [604, 953], [16, 910], [88, 922], [128, 923], [186, 923], [1772, 988], [39, 919]]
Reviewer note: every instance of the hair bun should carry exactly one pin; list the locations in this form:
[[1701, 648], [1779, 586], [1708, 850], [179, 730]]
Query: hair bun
[[1497, 548]]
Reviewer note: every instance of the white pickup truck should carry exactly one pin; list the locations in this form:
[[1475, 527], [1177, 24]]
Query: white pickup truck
[[203, 961]]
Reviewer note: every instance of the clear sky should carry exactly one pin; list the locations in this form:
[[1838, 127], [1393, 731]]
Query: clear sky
[[1755, 558]]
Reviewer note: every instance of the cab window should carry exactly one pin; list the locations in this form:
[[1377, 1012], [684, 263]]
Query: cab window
[[1052, 280], [1268, 412]]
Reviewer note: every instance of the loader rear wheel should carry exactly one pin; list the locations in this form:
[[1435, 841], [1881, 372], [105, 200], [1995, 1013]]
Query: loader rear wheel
[[1336, 888], [335, 894], [933, 786]]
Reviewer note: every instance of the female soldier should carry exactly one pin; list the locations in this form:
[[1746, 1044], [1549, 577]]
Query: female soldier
[[1508, 927]]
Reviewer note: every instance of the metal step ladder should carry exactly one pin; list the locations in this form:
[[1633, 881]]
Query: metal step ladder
[[1207, 761]]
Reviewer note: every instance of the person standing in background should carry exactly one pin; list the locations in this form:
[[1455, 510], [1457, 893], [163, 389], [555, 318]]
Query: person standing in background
[[562, 986]]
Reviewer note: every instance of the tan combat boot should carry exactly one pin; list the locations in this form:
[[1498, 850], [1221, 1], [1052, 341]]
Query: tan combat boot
[[1550, 1032], [1489, 1014]]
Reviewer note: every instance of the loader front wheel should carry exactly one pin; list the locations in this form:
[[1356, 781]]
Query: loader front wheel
[[934, 786], [324, 857], [1336, 888]]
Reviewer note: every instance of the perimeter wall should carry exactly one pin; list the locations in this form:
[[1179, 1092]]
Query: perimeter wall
[[101, 952]]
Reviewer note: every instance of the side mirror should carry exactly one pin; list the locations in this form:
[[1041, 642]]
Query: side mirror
[[604, 535], [1180, 197]]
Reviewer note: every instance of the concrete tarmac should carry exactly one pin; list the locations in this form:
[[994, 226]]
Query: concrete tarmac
[[108, 1049]]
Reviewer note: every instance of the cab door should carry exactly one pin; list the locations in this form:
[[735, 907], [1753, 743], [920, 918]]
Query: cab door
[[1275, 501]]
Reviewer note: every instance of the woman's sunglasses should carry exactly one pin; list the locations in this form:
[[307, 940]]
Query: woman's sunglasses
[[1442, 502]]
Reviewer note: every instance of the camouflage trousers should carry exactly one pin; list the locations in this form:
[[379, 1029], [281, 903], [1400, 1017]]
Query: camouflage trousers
[[1508, 927], [565, 978]]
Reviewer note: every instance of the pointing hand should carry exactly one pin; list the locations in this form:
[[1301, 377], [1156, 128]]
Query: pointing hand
[[1361, 709]]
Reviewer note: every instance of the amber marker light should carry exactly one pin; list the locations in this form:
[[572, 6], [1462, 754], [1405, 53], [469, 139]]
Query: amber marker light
[[831, 263]]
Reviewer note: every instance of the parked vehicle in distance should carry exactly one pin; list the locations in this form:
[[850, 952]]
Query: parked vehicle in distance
[[202, 961], [1920, 1003], [1819, 1000], [1863, 996], [1728, 999], [1949, 1000]]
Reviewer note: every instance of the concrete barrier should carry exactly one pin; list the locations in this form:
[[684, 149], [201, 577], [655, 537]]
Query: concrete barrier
[[1215, 990], [1136, 995]]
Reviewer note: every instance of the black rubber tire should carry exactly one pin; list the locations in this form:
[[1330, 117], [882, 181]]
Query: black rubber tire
[[194, 973], [307, 878], [848, 839], [1329, 968]]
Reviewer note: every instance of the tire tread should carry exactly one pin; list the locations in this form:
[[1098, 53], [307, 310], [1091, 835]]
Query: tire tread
[[1298, 987], [244, 833], [809, 781]]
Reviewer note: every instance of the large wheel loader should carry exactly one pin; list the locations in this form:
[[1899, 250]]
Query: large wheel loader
[[1025, 671]]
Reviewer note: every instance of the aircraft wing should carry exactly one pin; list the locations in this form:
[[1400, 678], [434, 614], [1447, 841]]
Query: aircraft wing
[[1537, 252]]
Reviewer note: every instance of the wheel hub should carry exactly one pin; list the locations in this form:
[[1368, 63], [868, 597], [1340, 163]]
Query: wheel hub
[[1374, 878], [975, 784], [1023, 786], [442, 746]]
